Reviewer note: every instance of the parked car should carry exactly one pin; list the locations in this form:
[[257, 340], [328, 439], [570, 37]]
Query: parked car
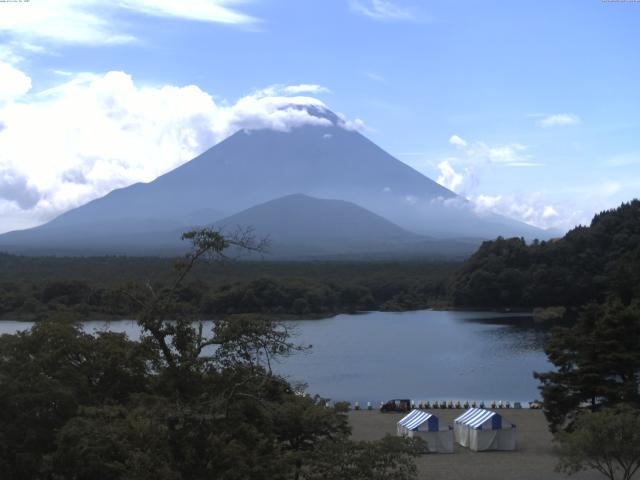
[[396, 405]]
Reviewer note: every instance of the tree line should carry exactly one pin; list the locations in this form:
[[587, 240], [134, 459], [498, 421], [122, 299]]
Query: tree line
[[311, 295], [589, 264]]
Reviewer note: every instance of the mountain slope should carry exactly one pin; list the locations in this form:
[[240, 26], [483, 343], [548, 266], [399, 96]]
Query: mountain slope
[[253, 167], [297, 226], [301, 225], [303, 218]]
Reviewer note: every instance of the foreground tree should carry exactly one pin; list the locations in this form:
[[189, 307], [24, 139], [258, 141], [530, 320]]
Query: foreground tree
[[597, 363], [391, 457], [182, 403], [607, 441], [113, 442], [47, 373]]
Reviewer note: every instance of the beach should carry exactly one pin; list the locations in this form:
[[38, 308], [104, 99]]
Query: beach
[[533, 459]]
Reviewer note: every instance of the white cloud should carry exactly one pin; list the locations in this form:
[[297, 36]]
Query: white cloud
[[525, 164], [558, 120], [448, 177], [288, 90], [13, 83], [276, 113], [380, 10], [99, 22], [549, 212], [576, 205], [356, 124], [535, 209], [532, 208], [9, 54], [456, 140], [64, 21], [304, 88], [201, 10], [81, 139], [487, 202], [463, 173], [511, 154]]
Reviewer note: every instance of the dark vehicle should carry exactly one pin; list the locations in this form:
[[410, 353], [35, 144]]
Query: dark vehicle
[[396, 405]]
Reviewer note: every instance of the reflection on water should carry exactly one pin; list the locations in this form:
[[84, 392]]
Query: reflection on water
[[423, 355], [516, 340]]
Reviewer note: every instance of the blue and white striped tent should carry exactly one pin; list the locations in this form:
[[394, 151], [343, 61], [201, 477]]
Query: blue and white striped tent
[[476, 417], [426, 425], [481, 429], [418, 418]]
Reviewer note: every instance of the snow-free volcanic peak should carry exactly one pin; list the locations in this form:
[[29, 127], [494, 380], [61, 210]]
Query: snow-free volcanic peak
[[323, 159]]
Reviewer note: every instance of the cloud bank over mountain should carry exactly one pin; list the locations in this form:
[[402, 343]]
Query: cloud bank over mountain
[[463, 174], [579, 134], [92, 133], [67, 145]]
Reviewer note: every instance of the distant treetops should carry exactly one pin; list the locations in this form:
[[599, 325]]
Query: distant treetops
[[589, 264]]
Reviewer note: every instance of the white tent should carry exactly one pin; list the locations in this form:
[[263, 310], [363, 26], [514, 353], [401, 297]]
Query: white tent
[[481, 430], [426, 425]]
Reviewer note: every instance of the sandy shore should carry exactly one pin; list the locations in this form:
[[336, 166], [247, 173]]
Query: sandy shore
[[534, 458]]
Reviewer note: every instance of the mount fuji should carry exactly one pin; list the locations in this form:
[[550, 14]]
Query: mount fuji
[[252, 167]]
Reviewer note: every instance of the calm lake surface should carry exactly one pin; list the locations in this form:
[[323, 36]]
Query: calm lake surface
[[422, 355]]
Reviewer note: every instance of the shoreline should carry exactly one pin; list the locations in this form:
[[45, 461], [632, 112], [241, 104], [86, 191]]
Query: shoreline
[[534, 458], [524, 313]]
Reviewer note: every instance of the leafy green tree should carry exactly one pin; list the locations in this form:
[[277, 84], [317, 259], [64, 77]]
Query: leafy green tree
[[589, 264], [47, 373], [391, 457], [607, 441], [597, 363], [113, 442], [302, 422], [182, 403]]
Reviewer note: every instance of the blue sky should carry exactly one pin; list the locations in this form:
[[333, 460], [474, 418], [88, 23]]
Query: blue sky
[[528, 108]]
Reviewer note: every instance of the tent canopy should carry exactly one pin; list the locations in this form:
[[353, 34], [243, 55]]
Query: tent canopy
[[425, 425], [478, 418], [417, 418], [481, 430]]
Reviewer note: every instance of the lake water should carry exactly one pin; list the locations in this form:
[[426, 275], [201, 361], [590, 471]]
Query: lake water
[[422, 355]]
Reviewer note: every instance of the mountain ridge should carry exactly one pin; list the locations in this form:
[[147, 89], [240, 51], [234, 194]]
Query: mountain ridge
[[252, 167]]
